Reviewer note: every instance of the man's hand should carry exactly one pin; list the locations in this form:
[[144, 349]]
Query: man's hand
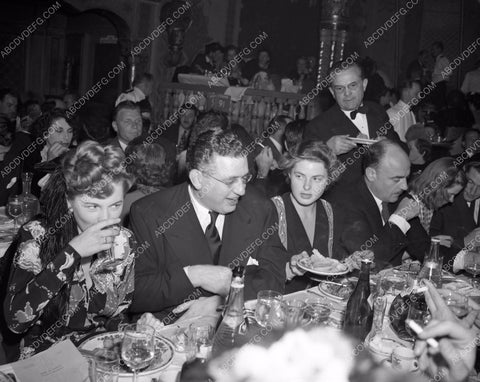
[[455, 357], [204, 306], [340, 144], [407, 209], [213, 278], [264, 161]]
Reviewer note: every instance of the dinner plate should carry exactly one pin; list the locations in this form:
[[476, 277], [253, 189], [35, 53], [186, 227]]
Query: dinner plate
[[324, 289], [337, 270], [362, 141], [164, 352]]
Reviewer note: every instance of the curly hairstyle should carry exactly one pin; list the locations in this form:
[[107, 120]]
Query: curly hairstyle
[[432, 184], [41, 126], [148, 163], [92, 169], [83, 170], [216, 141], [315, 151]]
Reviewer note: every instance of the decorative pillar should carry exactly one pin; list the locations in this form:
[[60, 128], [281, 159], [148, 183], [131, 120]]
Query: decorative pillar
[[333, 34], [176, 30]]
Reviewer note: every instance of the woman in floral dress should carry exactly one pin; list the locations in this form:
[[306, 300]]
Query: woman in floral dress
[[59, 284]]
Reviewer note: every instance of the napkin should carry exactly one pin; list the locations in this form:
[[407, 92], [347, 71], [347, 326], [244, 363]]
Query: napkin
[[235, 92]]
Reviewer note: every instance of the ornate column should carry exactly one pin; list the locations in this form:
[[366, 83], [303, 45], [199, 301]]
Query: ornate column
[[333, 34]]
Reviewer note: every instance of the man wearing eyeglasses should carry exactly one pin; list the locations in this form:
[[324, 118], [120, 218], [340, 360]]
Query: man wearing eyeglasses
[[350, 117], [461, 219], [196, 232]]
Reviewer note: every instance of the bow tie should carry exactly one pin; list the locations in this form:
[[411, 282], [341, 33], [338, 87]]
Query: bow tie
[[362, 110]]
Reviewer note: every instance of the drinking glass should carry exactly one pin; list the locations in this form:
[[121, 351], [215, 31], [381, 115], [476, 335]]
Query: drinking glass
[[15, 209], [200, 341], [107, 365], [318, 311], [457, 302], [109, 260], [138, 347], [418, 312], [268, 306], [294, 313], [472, 266]]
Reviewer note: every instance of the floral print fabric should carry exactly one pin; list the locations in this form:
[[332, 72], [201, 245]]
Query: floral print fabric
[[33, 285]]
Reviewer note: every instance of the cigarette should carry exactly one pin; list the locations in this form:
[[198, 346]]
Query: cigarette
[[418, 329], [261, 145]]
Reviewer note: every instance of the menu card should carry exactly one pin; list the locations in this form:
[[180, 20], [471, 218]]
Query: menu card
[[61, 362]]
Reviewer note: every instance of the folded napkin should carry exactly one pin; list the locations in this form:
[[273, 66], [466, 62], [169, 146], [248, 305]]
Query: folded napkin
[[235, 92]]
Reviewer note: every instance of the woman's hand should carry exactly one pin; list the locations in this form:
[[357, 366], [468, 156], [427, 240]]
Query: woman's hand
[[150, 320], [454, 358], [292, 268], [55, 151], [96, 238]]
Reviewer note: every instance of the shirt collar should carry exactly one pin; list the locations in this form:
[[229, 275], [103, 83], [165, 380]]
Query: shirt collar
[[276, 144]]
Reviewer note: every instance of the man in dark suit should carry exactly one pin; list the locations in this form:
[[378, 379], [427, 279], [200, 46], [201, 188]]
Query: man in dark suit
[[127, 123], [270, 179], [460, 220], [349, 117], [369, 223], [196, 232]]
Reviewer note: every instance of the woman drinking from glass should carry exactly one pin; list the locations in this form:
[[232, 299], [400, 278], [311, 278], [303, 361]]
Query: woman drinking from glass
[[60, 285]]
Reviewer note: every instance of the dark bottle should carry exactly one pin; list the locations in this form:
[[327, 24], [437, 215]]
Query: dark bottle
[[359, 314], [232, 328]]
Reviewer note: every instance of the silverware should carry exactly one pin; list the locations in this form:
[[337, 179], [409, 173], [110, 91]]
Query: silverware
[[334, 283]]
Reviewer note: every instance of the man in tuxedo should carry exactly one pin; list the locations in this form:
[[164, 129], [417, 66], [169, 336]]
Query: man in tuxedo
[[195, 232], [369, 222], [349, 117], [460, 220]]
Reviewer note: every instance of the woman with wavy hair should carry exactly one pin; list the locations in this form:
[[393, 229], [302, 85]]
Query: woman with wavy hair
[[436, 186], [148, 164], [306, 221], [61, 282]]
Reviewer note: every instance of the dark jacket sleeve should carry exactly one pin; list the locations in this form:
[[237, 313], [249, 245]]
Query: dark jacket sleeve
[[271, 257], [160, 281], [387, 244]]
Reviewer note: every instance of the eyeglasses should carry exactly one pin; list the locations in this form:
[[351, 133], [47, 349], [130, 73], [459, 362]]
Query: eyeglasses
[[231, 182]]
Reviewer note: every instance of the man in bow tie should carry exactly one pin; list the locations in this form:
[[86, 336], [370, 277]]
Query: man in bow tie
[[349, 117]]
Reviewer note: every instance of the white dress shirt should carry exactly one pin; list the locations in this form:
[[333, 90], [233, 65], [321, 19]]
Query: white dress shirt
[[203, 215], [360, 122], [401, 118]]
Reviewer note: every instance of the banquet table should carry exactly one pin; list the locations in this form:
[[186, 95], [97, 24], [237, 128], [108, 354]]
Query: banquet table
[[338, 307]]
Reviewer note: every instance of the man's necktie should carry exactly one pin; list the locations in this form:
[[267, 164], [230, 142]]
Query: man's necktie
[[362, 110], [385, 212], [213, 237], [182, 144], [472, 210]]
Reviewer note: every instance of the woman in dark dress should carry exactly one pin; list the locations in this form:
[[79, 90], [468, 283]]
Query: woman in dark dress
[[306, 221]]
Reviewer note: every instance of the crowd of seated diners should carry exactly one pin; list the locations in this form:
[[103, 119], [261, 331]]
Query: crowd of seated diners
[[199, 192]]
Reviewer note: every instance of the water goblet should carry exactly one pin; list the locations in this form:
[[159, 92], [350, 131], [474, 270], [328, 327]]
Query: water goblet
[[15, 209], [418, 312], [268, 306], [200, 341], [318, 311], [294, 313], [138, 347]]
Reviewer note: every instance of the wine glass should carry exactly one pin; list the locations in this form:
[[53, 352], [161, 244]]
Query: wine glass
[[472, 266], [268, 305], [138, 347], [15, 209]]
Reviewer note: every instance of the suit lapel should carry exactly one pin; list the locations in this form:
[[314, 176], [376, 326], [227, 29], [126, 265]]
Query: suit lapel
[[237, 235], [370, 205], [183, 233], [345, 125]]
